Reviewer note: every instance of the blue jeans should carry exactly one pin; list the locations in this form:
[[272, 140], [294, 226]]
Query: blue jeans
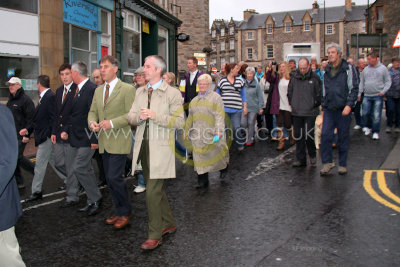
[[334, 119], [141, 181], [372, 105], [235, 118], [393, 111]]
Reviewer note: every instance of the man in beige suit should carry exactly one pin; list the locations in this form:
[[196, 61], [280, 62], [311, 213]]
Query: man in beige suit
[[156, 111], [108, 116]]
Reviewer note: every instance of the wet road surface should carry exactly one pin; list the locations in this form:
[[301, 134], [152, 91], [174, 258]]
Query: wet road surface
[[269, 214]]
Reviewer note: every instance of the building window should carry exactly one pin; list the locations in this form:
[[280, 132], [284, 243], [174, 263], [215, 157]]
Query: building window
[[222, 46], [222, 61], [232, 30], [249, 53], [329, 29], [232, 44], [163, 43], [30, 6], [270, 51], [214, 61], [222, 32], [213, 46], [213, 34], [231, 59], [81, 47], [249, 35], [379, 13], [132, 41], [27, 69], [269, 28], [307, 26], [364, 27], [288, 27]]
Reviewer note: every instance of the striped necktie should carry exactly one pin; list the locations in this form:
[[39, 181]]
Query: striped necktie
[[65, 94], [149, 96], [76, 91], [106, 94]]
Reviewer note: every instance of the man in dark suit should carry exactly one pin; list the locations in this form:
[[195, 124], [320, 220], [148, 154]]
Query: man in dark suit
[[10, 205], [64, 97], [82, 143], [41, 124], [188, 85]]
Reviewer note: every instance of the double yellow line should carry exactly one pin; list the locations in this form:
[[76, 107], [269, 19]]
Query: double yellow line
[[380, 174]]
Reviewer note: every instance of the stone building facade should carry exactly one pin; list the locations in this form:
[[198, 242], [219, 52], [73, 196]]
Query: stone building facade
[[274, 36], [384, 18], [194, 15]]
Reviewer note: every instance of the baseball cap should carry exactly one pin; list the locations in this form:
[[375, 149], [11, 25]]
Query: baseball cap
[[14, 80]]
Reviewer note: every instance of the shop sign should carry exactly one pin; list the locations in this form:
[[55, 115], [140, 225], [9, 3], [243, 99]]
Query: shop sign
[[145, 26], [80, 13]]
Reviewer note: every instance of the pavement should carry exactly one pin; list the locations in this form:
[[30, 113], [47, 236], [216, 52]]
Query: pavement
[[268, 214]]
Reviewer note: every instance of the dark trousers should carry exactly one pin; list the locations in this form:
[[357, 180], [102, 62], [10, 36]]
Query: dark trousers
[[334, 119], [393, 111], [99, 160], [357, 113], [22, 162], [304, 136], [114, 165]]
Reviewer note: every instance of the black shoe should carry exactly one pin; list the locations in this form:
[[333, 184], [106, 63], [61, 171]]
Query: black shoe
[[67, 204], [34, 196], [86, 208], [94, 208], [102, 183], [201, 185], [63, 187], [298, 164], [223, 173]]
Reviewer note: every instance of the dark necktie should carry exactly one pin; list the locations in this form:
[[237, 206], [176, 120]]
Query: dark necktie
[[106, 94], [149, 96], [76, 91], [65, 94]]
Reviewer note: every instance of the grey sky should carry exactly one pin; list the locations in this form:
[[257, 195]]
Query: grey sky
[[225, 9]]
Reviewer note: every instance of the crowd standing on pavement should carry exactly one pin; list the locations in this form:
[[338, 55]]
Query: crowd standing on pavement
[[110, 120]]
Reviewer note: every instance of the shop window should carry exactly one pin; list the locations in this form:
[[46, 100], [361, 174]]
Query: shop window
[[30, 6], [131, 54], [163, 43], [80, 45], [27, 69]]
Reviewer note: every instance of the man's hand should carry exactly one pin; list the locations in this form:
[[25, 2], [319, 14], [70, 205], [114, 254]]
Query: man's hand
[[64, 136], [105, 125], [94, 146], [25, 139], [359, 99], [346, 111], [147, 114], [260, 112], [53, 139], [23, 132], [94, 126], [380, 94]]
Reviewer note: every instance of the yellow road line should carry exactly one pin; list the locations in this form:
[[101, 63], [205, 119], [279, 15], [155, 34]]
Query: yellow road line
[[370, 190], [384, 188]]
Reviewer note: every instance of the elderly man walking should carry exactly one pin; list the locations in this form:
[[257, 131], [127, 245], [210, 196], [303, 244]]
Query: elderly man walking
[[156, 110], [304, 94], [340, 92]]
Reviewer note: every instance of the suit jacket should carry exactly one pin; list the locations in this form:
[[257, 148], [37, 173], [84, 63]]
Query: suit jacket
[[166, 102], [62, 111], [10, 205], [43, 118], [79, 134], [117, 140]]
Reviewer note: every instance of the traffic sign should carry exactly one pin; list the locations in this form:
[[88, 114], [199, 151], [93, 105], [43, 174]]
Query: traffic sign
[[397, 40]]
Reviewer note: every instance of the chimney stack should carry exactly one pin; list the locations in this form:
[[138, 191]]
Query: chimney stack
[[315, 7], [248, 13], [347, 5]]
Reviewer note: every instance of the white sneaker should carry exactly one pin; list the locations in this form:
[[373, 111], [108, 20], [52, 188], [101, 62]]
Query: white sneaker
[[139, 189], [357, 127], [366, 131], [375, 136]]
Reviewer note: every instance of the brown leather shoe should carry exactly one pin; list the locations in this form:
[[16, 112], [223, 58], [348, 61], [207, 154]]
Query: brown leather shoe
[[150, 244], [121, 222], [169, 230], [112, 220]]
